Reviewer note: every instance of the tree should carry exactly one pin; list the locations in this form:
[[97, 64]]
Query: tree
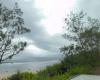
[[84, 32], [11, 26]]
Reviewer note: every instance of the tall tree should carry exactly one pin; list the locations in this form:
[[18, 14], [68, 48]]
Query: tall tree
[[11, 27], [84, 32]]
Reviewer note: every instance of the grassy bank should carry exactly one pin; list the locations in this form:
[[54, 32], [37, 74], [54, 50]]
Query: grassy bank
[[44, 75], [70, 66]]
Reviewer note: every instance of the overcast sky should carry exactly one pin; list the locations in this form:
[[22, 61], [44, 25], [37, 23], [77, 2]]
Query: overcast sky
[[45, 18]]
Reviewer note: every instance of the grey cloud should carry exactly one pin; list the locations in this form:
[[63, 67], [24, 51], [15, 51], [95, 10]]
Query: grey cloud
[[91, 7], [50, 43], [39, 35]]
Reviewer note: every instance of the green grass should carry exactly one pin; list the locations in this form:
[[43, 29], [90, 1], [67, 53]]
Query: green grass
[[23, 76], [43, 76], [67, 68]]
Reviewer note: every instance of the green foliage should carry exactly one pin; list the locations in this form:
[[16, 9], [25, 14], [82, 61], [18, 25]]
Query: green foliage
[[59, 72], [80, 70], [11, 26], [23, 76], [84, 32], [71, 72], [51, 71]]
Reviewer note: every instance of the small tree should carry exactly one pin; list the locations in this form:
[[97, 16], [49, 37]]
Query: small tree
[[84, 32], [74, 27], [11, 26]]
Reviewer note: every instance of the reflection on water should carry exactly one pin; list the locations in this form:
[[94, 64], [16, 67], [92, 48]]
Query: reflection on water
[[10, 68]]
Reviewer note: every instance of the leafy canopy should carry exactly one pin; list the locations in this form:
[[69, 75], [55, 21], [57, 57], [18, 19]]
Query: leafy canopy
[[11, 26]]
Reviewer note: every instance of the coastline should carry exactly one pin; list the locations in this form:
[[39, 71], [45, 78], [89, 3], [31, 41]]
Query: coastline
[[8, 69]]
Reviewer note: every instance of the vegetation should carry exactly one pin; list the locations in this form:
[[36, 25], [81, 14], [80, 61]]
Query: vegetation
[[11, 26], [87, 69], [84, 32], [82, 56]]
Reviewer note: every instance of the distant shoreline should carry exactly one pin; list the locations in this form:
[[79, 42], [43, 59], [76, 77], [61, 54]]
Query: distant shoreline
[[28, 66]]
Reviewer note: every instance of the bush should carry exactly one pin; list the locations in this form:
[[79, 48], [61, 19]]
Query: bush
[[23, 76], [51, 71]]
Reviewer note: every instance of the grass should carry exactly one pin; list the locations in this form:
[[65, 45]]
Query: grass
[[43, 76], [64, 70]]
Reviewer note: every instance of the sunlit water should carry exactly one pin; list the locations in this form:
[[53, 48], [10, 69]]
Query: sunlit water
[[11, 68]]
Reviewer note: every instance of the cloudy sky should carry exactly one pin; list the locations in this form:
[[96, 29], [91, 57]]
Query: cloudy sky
[[45, 18]]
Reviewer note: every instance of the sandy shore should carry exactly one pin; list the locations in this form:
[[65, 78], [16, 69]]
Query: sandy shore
[[4, 76]]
